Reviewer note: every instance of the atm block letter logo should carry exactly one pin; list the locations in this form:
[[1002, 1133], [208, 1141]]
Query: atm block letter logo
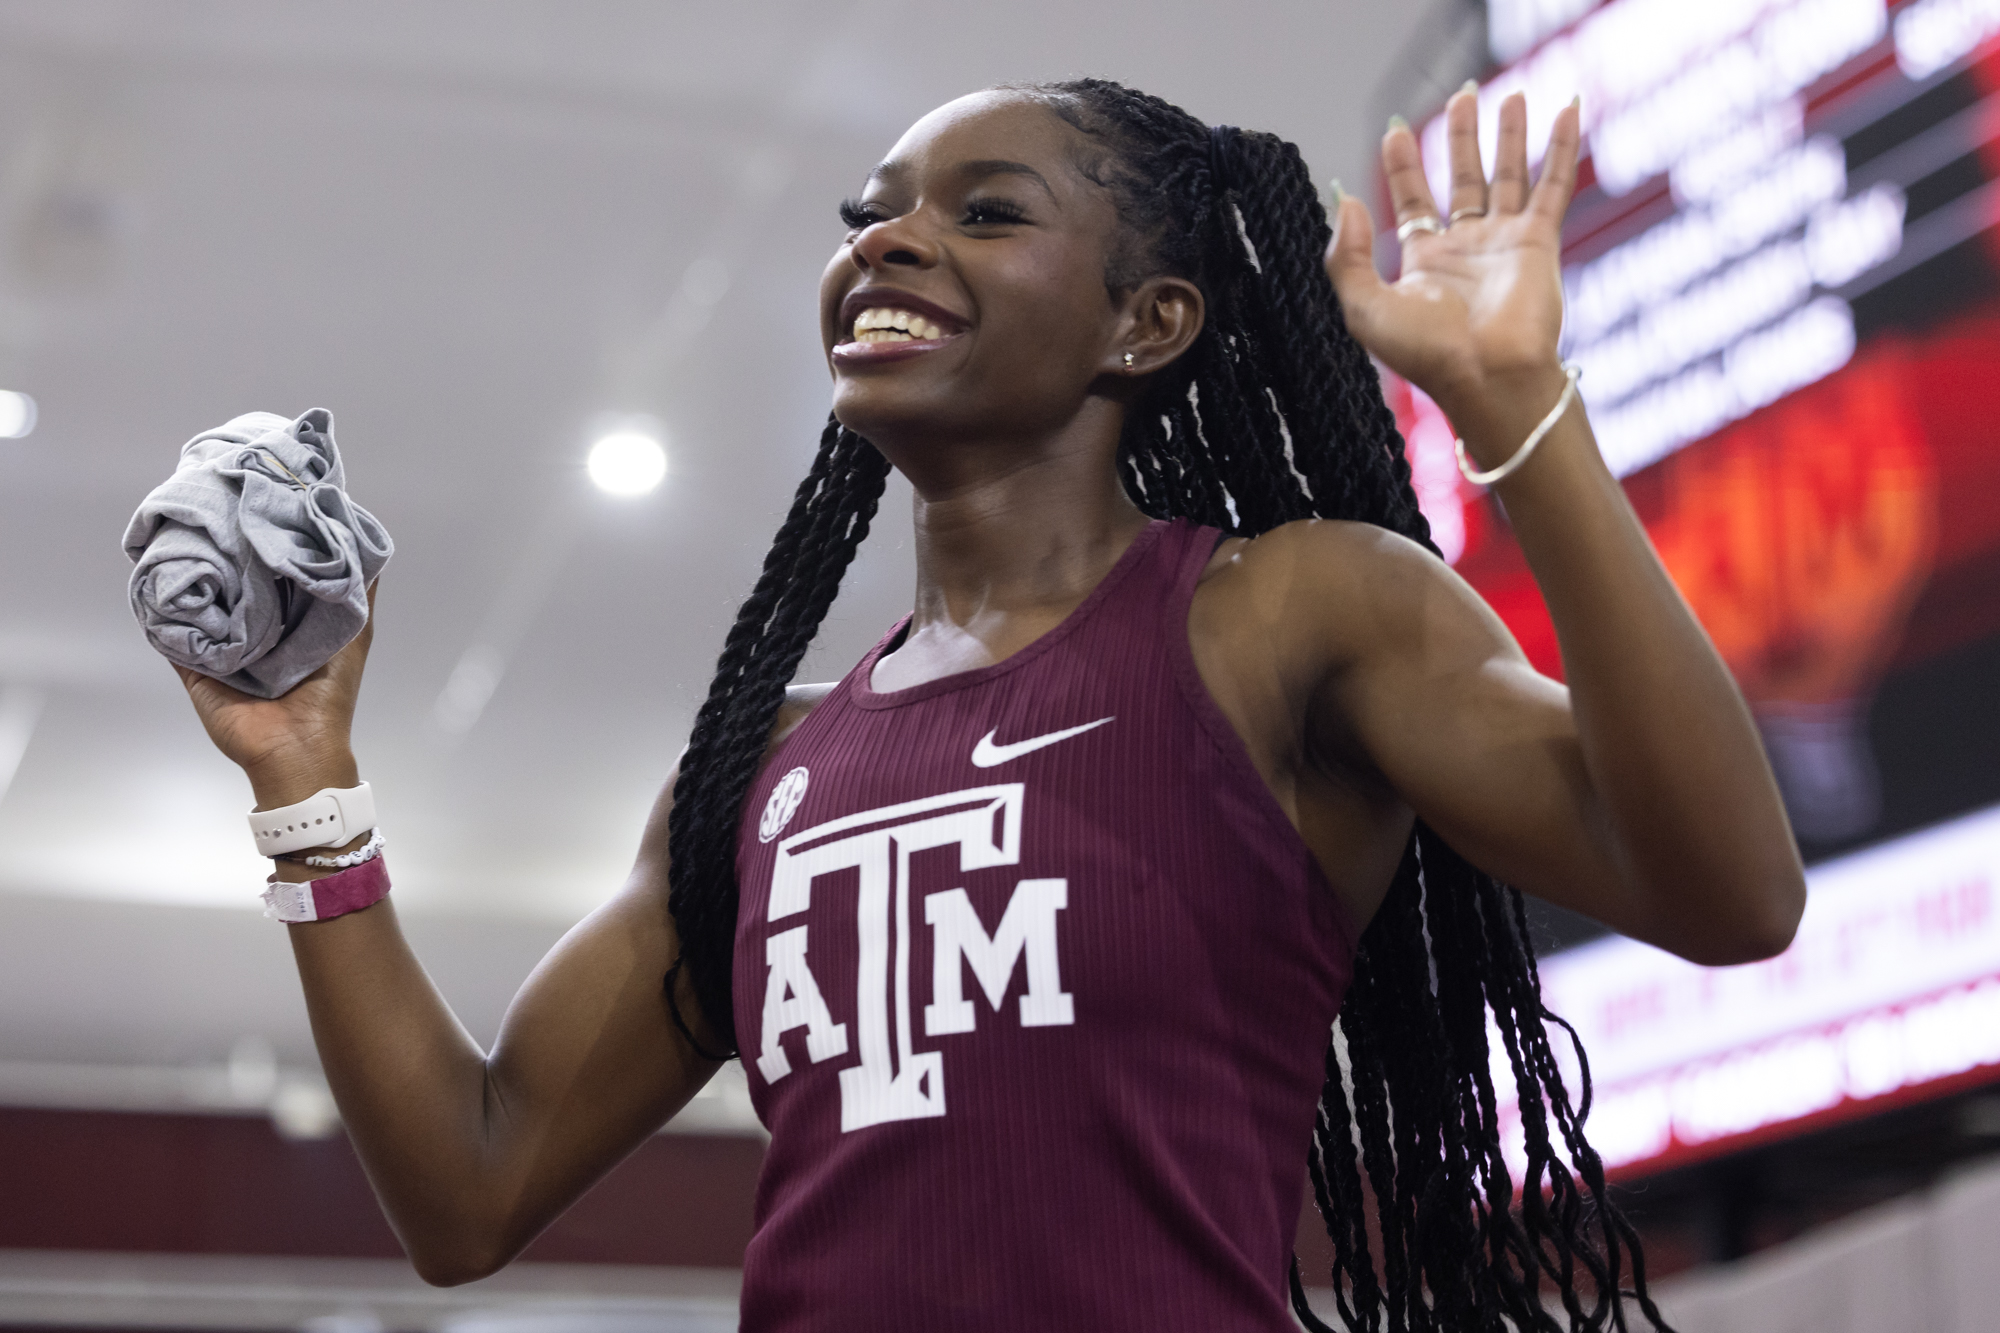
[[893, 1081]]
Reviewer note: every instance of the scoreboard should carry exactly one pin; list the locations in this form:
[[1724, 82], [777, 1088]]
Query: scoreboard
[[1782, 281]]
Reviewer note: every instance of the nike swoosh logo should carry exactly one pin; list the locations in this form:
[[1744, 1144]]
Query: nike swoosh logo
[[986, 754]]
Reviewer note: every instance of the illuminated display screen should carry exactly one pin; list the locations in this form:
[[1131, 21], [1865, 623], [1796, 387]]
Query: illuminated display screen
[[1783, 285], [1890, 992]]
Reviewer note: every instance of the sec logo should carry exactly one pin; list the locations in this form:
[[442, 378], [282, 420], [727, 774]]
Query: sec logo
[[784, 803]]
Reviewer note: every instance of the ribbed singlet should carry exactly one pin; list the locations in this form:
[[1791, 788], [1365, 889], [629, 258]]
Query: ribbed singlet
[[1034, 981]]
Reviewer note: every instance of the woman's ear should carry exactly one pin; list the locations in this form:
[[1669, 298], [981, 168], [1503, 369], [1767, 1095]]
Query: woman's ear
[[1162, 317]]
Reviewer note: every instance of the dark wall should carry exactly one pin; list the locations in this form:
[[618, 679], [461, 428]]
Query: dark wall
[[199, 1184]]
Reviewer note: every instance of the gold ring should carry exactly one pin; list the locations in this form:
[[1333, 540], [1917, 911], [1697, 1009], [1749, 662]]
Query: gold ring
[[1458, 213], [1426, 223]]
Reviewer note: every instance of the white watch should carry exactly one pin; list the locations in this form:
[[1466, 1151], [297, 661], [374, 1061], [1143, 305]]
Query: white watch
[[330, 816]]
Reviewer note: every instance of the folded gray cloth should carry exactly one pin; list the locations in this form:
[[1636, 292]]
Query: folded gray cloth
[[252, 565]]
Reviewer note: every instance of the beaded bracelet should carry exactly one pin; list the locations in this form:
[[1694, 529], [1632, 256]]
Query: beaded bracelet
[[346, 860]]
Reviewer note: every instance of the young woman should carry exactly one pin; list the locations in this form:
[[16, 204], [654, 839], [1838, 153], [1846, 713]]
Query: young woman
[[1189, 743]]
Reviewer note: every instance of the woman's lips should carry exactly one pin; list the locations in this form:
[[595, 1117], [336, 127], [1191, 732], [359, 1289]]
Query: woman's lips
[[854, 353], [882, 324]]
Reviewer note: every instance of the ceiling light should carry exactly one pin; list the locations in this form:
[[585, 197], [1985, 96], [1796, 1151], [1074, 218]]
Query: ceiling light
[[627, 462], [17, 415]]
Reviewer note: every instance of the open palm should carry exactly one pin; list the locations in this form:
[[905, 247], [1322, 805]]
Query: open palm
[[1480, 298]]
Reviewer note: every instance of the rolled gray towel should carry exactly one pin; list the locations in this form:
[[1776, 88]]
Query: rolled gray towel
[[251, 565]]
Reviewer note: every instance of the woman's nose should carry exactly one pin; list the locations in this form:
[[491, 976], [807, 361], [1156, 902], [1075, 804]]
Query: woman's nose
[[893, 242]]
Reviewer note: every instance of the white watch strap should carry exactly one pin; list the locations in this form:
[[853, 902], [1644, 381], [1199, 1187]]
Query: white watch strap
[[330, 816]]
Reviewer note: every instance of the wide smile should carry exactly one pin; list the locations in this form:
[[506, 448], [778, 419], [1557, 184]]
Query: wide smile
[[883, 325]]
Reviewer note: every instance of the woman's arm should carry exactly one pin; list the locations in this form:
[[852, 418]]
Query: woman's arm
[[471, 1154], [1640, 795]]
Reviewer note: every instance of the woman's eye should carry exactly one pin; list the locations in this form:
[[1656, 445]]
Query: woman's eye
[[858, 215], [993, 212]]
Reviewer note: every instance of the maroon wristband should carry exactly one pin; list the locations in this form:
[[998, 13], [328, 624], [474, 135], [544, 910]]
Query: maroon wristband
[[329, 896]]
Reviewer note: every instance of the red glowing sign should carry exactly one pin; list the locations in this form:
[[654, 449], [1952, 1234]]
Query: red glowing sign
[[1783, 283]]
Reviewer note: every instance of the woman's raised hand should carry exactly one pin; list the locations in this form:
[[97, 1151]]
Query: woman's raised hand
[[293, 745], [1479, 302]]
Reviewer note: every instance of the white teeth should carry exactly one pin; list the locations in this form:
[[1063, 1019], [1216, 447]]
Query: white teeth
[[893, 326]]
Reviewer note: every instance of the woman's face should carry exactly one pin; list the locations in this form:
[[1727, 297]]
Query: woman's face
[[974, 269]]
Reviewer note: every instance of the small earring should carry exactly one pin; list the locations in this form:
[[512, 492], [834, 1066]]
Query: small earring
[[1128, 360]]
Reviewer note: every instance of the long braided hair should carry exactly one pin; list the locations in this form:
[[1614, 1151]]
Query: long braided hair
[[1274, 414]]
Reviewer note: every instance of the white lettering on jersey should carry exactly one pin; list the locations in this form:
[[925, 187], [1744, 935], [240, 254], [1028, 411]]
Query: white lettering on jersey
[[792, 1000], [957, 940], [892, 1080]]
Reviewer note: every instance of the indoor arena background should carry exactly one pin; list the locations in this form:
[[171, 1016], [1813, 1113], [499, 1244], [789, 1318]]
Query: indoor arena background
[[488, 235]]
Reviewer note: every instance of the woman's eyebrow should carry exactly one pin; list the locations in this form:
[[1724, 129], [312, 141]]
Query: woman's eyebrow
[[1001, 167], [973, 170]]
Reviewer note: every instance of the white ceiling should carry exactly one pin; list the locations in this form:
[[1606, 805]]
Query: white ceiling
[[471, 229]]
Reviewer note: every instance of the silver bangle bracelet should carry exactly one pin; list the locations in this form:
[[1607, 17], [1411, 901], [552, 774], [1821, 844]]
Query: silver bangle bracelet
[[1572, 373]]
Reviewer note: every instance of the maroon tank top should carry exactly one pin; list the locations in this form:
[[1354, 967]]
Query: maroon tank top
[[1034, 981]]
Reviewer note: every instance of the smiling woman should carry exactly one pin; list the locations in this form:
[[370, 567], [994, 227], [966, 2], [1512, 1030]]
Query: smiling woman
[[1189, 750]]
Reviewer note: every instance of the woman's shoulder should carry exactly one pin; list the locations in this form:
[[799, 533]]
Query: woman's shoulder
[[1325, 588], [800, 700], [1313, 555]]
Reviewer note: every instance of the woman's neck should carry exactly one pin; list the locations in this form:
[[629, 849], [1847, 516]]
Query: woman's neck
[[1030, 537], [1008, 525]]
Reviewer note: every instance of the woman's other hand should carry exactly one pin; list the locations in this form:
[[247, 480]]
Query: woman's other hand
[[291, 746], [1478, 307]]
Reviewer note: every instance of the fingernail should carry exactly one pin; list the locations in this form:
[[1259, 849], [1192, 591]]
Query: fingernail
[[1339, 195], [1397, 123], [1469, 86], [1576, 104]]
